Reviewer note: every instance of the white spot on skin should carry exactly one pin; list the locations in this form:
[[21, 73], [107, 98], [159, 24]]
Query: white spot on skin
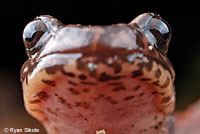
[[33, 95], [101, 132], [53, 34], [110, 61], [141, 49], [129, 48], [92, 67], [132, 57], [150, 47], [26, 69], [115, 57]]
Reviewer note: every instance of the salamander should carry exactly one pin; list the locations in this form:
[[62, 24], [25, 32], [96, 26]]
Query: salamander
[[113, 79]]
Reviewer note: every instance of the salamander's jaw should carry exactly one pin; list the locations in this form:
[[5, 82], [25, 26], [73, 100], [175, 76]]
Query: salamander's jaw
[[85, 96]]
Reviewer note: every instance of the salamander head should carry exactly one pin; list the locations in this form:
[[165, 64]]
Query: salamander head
[[119, 74]]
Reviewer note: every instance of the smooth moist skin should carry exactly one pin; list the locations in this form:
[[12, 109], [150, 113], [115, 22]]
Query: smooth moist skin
[[99, 79]]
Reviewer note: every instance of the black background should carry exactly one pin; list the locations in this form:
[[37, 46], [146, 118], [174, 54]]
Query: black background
[[184, 21], [183, 51]]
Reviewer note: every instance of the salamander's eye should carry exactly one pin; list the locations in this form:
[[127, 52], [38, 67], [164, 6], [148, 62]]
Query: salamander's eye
[[161, 32], [156, 30], [32, 34], [38, 32]]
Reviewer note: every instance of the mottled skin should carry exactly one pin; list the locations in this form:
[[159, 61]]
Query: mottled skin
[[84, 79]]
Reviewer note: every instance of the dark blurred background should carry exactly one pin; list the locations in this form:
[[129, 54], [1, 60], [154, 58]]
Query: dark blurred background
[[183, 51]]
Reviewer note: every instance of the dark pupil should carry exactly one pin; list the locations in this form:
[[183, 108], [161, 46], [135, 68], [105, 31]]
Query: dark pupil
[[165, 36], [160, 36], [30, 39], [161, 39]]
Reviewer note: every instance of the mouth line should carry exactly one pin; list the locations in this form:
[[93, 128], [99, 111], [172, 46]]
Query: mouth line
[[128, 56], [62, 59]]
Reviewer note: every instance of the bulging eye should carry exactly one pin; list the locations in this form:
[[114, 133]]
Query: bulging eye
[[156, 30], [161, 32], [33, 32], [37, 32]]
